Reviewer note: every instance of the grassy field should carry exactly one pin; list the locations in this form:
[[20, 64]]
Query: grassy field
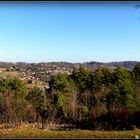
[[31, 132]]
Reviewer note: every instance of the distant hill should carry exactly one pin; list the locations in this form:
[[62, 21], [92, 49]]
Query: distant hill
[[126, 64], [43, 70], [92, 64]]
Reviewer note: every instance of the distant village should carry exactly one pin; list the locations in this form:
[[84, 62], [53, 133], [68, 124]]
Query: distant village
[[38, 74]]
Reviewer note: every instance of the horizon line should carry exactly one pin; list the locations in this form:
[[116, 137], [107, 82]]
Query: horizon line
[[69, 62]]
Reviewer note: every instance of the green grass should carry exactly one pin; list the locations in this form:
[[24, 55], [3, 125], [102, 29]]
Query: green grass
[[31, 132]]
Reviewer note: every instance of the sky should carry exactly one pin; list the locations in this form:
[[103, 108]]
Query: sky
[[69, 31]]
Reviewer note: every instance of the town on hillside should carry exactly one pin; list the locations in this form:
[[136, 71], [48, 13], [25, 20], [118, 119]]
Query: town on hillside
[[38, 74]]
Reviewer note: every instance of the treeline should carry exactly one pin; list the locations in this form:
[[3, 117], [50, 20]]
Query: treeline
[[102, 99]]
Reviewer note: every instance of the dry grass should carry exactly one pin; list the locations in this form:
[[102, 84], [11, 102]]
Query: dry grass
[[29, 131]]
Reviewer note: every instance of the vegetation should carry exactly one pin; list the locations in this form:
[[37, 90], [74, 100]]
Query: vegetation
[[101, 100], [31, 132]]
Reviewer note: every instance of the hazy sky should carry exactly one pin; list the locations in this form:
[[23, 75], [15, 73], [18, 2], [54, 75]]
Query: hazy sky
[[72, 32]]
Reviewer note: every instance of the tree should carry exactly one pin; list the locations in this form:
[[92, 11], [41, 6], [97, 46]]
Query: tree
[[136, 71], [82, 82], [98, 78], [80, 77], [13, 92], [100, 87], [106, 76], [61, 87], [38, 99], [121, 94], [121, 99], [120, 74]]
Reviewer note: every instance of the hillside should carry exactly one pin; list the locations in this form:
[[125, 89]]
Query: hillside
[[37, 72]]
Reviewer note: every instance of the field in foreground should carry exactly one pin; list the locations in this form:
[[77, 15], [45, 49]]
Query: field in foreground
[[31, 132]]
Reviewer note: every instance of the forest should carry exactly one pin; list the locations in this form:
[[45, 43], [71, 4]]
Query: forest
[[101, 100]]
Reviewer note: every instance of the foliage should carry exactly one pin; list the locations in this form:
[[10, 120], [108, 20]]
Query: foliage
[[61, 88], [87, 99], [80, 77], [136, 71], [30, 132], [38, 100], [12, 99]]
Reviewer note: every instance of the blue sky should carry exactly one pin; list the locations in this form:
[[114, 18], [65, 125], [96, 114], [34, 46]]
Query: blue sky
[[72, 32]]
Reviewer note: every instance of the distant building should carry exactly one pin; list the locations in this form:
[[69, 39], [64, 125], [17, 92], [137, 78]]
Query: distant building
[[45, 88]]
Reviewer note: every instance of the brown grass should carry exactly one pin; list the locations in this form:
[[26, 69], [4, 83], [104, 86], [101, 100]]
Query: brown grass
[[29, 131]]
